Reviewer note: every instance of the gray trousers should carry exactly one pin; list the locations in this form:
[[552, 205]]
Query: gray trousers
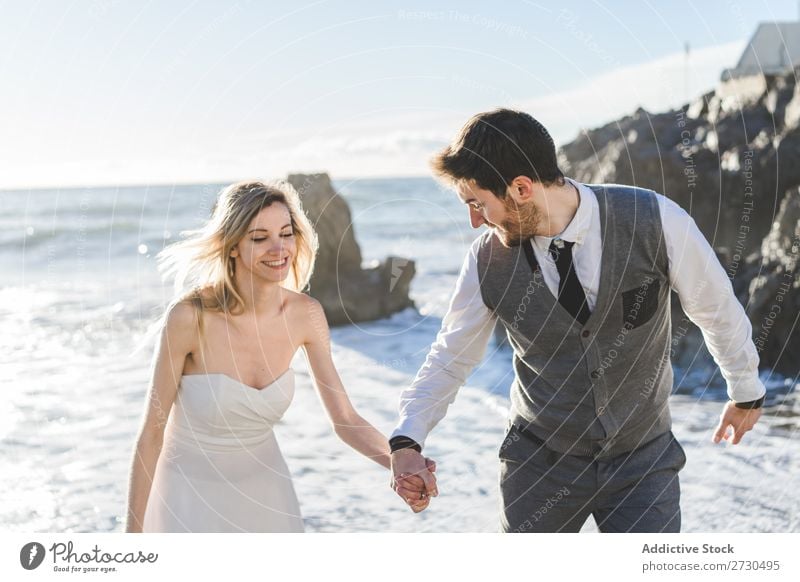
[[545, 491]]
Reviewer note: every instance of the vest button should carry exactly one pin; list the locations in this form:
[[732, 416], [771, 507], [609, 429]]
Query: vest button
[[601, 410], [586, 333], [595, 374]]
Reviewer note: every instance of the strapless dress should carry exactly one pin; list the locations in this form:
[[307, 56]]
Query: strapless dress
[[220, 468]]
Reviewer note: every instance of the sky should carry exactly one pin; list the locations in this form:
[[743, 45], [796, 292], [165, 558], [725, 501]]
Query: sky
[[118, 92]]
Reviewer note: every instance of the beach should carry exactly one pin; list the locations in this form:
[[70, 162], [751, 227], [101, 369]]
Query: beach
[[81, 290], [744, 488]]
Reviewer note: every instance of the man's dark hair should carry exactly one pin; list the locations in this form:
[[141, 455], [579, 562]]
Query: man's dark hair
[[495, 147]]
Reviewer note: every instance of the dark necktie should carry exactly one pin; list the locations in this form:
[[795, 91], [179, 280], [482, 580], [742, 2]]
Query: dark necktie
[[570, 291]]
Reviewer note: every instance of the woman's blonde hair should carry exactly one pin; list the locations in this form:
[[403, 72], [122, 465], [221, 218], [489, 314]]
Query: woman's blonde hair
[[202, 260]]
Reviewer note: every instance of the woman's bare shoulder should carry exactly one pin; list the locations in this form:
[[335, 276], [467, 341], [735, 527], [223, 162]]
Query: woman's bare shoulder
[[307, 315], [181, 317], [196, 299], [301, 304]]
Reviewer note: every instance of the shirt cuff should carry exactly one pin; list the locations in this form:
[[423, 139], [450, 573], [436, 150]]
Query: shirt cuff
[[409, 430], [746, 390]]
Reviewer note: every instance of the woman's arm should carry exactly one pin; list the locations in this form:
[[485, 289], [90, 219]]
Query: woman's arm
[[176, 342], [347, 423]]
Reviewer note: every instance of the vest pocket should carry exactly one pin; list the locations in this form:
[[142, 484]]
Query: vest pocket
[[640, 304], [512, 436]]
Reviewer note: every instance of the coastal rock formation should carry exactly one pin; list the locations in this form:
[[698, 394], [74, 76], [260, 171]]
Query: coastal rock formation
[[348, 292], [774, 305], [732, 160]]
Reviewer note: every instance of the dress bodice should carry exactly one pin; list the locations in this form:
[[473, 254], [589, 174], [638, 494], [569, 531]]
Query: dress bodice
[[217, 412]]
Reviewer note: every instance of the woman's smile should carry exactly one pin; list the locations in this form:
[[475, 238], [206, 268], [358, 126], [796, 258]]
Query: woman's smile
[[277, 264]]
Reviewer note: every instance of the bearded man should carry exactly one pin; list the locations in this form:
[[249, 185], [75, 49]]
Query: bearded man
[[579, 275]]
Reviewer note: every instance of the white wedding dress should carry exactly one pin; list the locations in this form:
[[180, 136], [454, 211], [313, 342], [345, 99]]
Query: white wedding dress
[[220, 468]]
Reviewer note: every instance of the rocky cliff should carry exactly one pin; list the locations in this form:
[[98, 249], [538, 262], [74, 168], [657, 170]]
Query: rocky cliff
[[348, 292], [732, 160]]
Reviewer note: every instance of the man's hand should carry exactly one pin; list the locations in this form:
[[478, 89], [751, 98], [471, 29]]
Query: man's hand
[[741, 420], [413, 479]]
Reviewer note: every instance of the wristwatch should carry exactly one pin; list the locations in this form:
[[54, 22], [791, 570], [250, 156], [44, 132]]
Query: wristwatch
[[752, 404], [403, 442]]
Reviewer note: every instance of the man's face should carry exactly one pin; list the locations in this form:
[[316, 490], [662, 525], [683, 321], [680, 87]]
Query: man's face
[[512, 221]]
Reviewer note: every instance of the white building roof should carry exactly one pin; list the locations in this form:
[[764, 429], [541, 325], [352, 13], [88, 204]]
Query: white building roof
[[774, 49]]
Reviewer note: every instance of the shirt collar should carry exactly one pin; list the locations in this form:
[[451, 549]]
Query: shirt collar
[[578, 229]]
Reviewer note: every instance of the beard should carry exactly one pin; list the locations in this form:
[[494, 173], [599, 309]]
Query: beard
[[521, 224]]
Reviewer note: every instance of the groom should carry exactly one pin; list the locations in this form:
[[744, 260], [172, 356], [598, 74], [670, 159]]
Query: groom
[[580, 277]]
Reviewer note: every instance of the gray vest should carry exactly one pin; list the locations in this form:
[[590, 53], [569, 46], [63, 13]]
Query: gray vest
[[599, 389]]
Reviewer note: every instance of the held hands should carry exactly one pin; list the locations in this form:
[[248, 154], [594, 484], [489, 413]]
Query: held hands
[[413, 478], [739, 419]]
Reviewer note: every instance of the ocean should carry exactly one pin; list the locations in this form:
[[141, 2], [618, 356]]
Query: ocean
[[80, 289]]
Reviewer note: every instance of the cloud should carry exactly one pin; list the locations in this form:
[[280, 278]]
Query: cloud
[[386, 145], [380, 149], [393, 142], [656, 86]]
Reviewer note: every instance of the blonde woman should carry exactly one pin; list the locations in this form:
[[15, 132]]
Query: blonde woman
[[206, 458]]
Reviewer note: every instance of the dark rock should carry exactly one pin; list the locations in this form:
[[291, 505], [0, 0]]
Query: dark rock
[[775, 290], [348, 292], [728, 158]]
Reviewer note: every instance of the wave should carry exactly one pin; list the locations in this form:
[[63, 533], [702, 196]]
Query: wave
[[75, 235]]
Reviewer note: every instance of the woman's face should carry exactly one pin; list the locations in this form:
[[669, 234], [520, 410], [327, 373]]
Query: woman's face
[[268, 248]]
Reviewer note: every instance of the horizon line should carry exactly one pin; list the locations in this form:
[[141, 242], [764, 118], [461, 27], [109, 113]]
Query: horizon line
[[40, 188]]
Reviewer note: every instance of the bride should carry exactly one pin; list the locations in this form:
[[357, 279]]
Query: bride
[[206, 458]]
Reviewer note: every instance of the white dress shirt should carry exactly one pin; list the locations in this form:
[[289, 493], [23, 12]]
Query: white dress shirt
[[695, 273]]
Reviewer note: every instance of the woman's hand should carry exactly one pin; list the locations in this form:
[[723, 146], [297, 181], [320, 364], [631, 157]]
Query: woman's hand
[[413, 478]]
